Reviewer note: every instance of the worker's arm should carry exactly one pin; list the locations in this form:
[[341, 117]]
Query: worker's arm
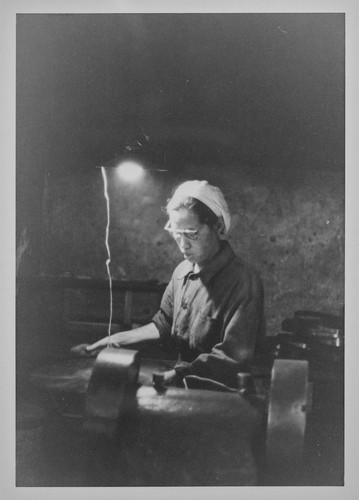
[[119, 339]]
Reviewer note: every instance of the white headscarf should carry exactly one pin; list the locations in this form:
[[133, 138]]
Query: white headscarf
[[210, 195]]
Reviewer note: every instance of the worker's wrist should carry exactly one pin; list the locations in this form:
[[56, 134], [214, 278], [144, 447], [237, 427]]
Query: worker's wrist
[[178, 378]]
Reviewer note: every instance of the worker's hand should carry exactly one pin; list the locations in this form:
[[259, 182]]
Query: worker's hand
[[161, 379], [169, 376], [119, 339], [97, 346], [82, 351]]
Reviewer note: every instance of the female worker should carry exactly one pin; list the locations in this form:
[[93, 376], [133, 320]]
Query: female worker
[[212, 309]]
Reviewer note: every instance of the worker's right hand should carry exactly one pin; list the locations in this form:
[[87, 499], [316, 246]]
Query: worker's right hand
[[83, 351], [91, 350], [119, 339]]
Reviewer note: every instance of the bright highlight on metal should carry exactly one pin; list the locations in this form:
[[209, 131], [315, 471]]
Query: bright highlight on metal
[[130, 171]]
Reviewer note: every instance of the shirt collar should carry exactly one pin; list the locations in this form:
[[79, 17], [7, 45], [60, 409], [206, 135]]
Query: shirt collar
[[222, 258]]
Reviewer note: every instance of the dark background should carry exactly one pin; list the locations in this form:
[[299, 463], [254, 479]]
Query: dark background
[[254, 103]]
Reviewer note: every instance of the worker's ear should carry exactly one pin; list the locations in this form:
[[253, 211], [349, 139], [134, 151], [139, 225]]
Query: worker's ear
[[220, 228]]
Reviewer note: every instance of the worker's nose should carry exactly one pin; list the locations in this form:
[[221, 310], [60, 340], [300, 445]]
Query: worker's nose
[[184, 243]]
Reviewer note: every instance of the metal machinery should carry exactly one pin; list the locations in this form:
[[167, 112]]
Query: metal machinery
[[112, 422]]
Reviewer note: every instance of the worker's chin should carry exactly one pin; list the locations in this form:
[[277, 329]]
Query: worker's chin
[[189, 257]]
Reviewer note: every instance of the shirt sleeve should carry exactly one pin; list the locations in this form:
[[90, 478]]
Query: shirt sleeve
[[163, 319], [242, 325]]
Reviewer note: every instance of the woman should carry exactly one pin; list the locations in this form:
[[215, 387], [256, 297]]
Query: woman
[[212, 309]]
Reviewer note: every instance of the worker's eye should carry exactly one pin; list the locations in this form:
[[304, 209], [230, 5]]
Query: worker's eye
[[191, 234]]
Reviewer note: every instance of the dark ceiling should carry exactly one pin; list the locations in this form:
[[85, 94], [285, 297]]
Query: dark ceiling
[[265, 90]]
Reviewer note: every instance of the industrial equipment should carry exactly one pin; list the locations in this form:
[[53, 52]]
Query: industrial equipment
[[128, 429]]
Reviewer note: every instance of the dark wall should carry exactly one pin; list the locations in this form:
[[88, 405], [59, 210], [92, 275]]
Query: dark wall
[[292, 233], [252, 103]]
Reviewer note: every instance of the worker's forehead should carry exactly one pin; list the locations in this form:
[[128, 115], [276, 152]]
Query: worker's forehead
[[183, 218]]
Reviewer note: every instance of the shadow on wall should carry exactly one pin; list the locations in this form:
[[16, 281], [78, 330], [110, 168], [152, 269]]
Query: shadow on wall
[[293, 234]]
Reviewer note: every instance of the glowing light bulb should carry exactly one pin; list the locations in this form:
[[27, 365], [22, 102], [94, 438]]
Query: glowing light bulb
[[130, 171]]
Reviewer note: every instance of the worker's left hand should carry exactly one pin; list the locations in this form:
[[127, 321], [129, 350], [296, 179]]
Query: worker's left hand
[[169, 376]]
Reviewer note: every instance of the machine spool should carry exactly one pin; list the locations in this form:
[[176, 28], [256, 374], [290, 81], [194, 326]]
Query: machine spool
[[111, 390], [289, 402]]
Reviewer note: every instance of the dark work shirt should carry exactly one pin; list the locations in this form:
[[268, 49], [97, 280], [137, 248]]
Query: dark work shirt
[[214, 318]]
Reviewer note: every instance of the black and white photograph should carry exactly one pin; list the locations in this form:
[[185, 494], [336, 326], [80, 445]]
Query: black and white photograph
[[180, 226]]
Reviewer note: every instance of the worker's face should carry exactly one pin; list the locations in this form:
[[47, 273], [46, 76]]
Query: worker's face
[[206, 243]]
